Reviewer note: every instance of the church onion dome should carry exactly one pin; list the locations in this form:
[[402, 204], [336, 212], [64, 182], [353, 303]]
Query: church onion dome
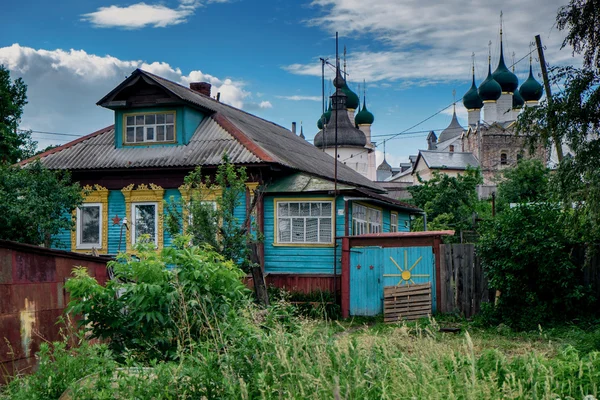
[[507, 80], [326, 116], [352, 101], [364, 116], [531, 90], [517, 99], [347, 134], [452, 131], [384, 166], [471, 99], [489, 90]]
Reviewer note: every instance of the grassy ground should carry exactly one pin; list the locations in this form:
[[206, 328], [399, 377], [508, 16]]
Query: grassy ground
[[353, 359]]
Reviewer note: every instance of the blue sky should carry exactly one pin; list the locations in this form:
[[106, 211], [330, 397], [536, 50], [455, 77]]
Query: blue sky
[[263, 55]]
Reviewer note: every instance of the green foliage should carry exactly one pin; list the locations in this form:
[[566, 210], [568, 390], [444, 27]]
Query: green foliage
[[317, 304], [449, 201], [582, 20], [526, 253], [524, 183], [158, 302], [14, 145], [208, 217], [36, 203], [400, 361]]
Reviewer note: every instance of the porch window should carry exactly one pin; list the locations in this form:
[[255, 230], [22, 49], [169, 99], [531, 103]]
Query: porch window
[[89, 226], [365, 219], [304, 222], [145, 221], [394, 222], [149, 127]]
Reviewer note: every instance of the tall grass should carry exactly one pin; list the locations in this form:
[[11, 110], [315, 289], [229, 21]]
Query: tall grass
[[306, 360]]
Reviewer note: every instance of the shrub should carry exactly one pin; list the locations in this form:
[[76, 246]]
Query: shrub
[[526, 254], [158, 302]]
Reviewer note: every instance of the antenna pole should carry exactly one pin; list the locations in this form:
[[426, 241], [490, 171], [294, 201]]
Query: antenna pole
[[552, 121], [335, 171]]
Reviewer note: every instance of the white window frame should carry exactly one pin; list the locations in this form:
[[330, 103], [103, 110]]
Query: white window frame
[[87, 246], [133, 219], [361, 226], [278, 240], [153, 126], [393, 226]]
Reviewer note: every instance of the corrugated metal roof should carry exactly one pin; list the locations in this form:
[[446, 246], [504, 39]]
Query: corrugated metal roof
[[254, 140], [206, 147], [448, 160]]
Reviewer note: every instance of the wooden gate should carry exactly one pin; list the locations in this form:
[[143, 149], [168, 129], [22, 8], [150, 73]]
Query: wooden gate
[[372, 269]]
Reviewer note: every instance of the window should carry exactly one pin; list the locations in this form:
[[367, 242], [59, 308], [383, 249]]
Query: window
[[304, 222], [149, 127], [89, 226], [503, 159], [365, 220], [145, 221], [394, 222], [451, 148]]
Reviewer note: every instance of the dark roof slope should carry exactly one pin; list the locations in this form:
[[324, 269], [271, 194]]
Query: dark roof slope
[[257, 140]]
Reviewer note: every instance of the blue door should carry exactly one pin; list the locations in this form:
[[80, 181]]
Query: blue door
[[366, 291], [373, 268]]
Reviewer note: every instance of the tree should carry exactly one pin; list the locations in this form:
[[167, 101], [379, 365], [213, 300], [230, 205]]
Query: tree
[[208, 213], [449, 202], [15, 145], [526, 182], [573, 116], [36, 203]]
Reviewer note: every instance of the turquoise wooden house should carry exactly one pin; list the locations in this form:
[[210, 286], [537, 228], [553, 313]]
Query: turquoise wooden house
[[163, 130]]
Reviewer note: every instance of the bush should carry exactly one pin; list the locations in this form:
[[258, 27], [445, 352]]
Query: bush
[[157, 302], [526, 254]]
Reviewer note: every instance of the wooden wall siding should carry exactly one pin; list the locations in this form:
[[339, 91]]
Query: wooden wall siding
[[116, 207], [293, 259], [464, 286], [32, 297], [302, 283]]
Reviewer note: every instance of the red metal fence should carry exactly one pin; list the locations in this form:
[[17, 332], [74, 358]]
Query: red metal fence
[[32, 297]]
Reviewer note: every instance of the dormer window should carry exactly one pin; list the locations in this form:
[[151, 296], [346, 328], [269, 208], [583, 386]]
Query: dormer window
[[153, 127]]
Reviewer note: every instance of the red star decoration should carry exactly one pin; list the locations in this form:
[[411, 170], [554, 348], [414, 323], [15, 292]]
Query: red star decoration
[[116, 220]]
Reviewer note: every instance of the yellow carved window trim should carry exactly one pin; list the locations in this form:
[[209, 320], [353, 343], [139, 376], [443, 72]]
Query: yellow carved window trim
[[144, 194], [95, 194]]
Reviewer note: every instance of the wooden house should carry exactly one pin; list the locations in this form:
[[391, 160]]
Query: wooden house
[[163, 130]]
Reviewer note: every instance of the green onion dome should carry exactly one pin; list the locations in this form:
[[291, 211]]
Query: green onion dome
[[325, 116], [517, 99], [364, 116], [507, 80], [490, 90], [352, 101], [471, 99], [351, 97], [531, 90]]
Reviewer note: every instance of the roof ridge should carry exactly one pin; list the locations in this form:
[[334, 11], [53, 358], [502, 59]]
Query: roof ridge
[[241, 137], [67, 145]]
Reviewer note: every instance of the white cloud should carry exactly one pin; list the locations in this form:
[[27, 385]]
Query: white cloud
[[140, 15], [63, 86], [461, 112], [300, 98], [423, 43], [265, 104]]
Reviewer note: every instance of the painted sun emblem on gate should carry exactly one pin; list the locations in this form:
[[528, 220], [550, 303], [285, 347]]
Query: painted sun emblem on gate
[[406, 274]]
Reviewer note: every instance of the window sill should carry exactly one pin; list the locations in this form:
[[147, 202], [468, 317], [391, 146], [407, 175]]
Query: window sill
[[303, 245]]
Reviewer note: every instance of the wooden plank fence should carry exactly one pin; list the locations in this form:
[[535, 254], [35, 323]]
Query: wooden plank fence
[[464, 286], [408, 302]]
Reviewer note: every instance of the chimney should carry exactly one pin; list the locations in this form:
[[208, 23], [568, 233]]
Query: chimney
[[201, 87], [294, 128]]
